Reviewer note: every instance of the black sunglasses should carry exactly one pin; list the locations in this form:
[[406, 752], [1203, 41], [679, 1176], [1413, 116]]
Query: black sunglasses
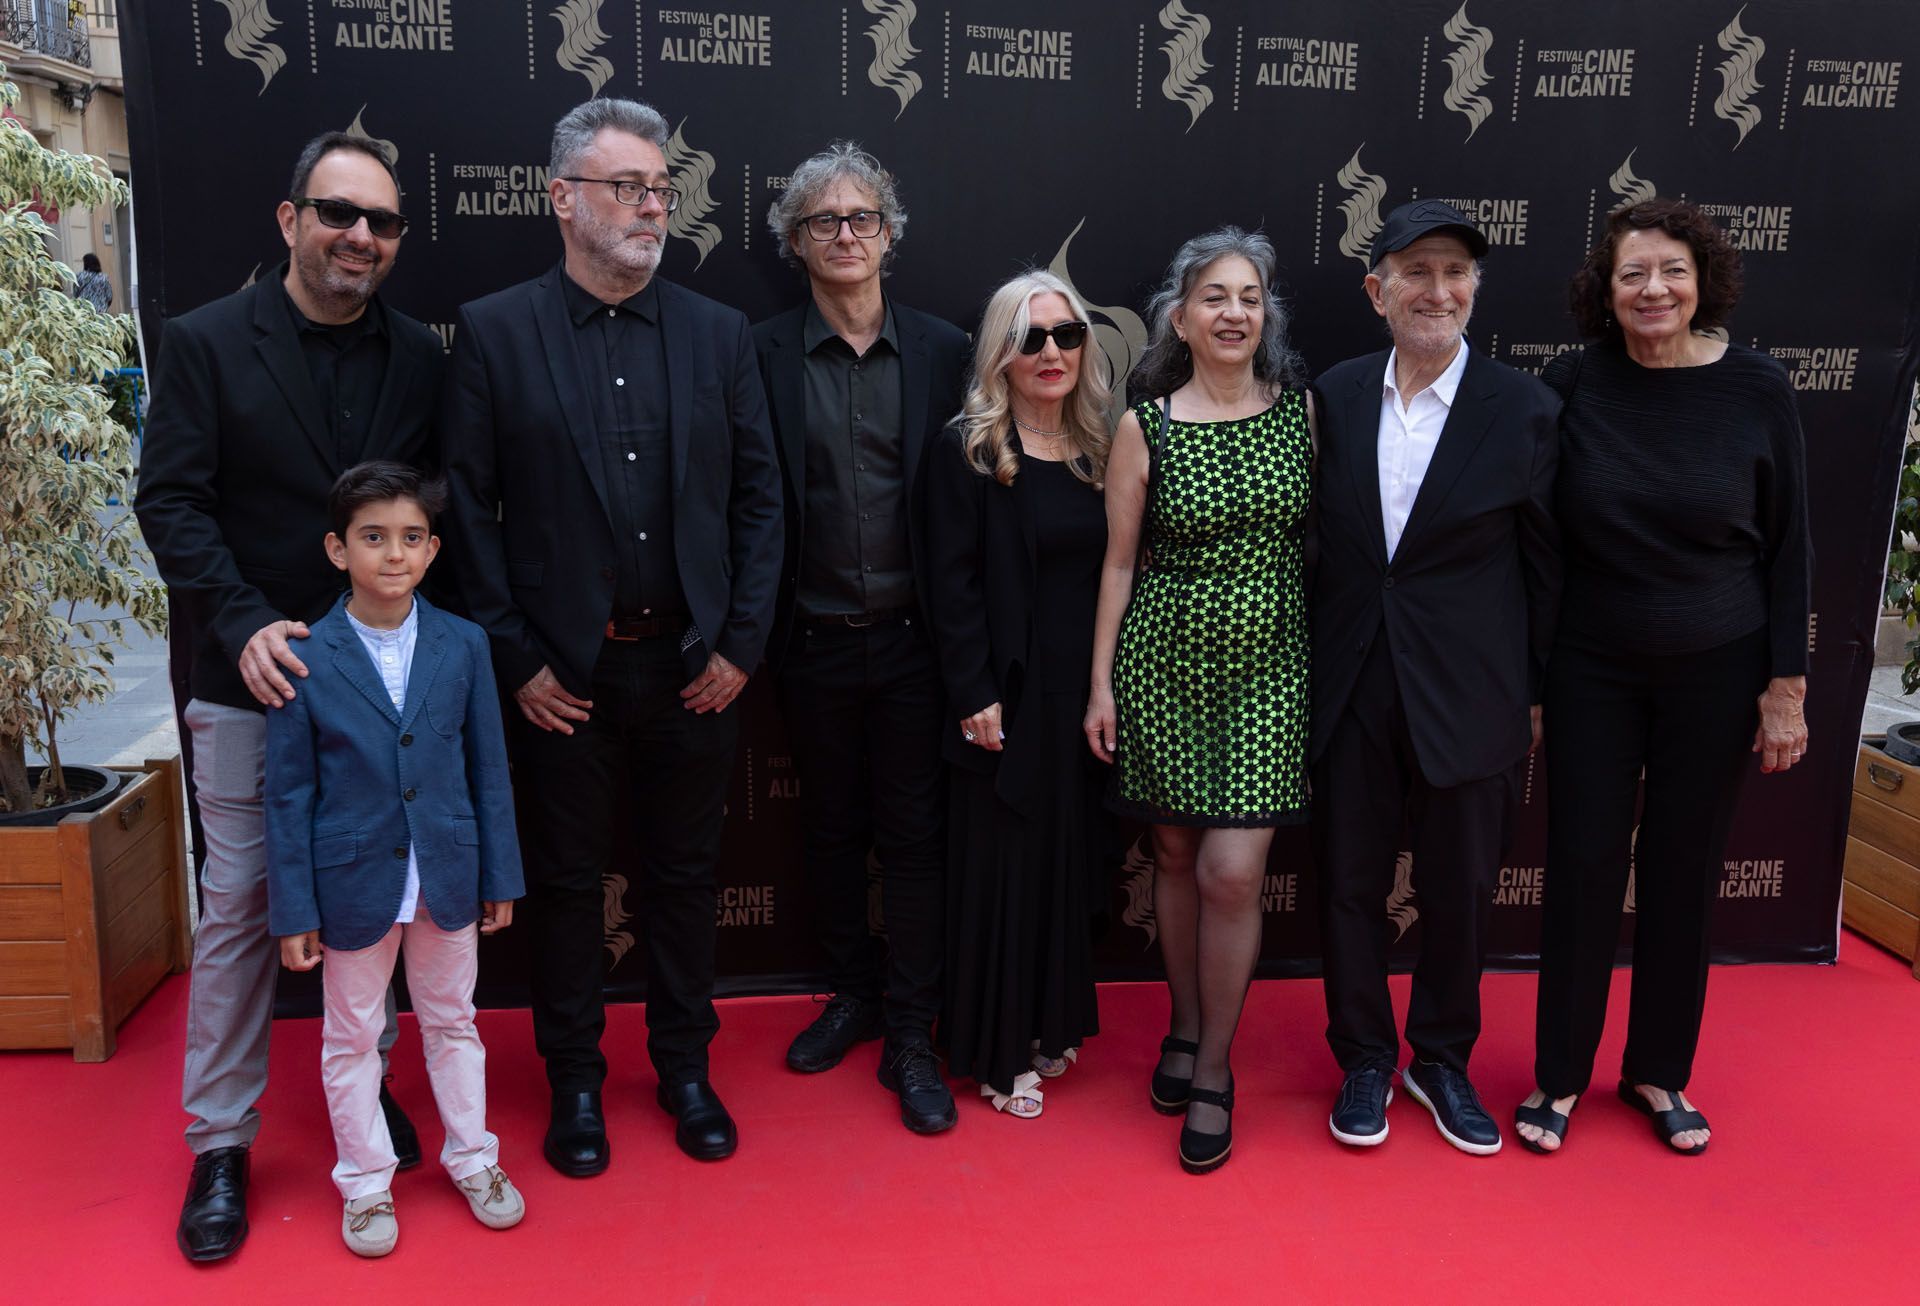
[[341, 216], [1068, 335]]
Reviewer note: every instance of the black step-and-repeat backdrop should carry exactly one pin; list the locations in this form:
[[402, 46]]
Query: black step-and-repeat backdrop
[[1092, 136]]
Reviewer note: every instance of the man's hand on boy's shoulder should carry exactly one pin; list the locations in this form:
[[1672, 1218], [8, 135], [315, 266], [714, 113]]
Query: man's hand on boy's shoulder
[[265, 654], [495, 916], [300, 951]]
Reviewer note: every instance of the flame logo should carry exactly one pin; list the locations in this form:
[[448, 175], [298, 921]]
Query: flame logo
[[388, 148], [248, 23], [1122, 336], [613, 915], [1468, 65], [1361, 208], [893, 49], [692, 171], [1630, 189], [580, 37], [1737, 77], [1400, 903], [1186, 59], [1138, 869]]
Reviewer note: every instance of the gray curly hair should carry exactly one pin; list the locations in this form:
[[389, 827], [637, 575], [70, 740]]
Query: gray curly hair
[[1166, 364], [842, 159]]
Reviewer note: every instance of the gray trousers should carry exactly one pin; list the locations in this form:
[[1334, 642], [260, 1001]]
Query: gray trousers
[[235, 960]]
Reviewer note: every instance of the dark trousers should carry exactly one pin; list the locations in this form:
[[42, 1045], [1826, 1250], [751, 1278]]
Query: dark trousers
[[864, 710], [1367, 788], [1688, 721], [643, 761]]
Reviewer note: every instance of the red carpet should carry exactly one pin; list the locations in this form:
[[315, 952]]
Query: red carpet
[[1811, 1189]]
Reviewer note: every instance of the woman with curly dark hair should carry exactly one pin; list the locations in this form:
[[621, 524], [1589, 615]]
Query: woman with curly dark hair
[[1681, 648]]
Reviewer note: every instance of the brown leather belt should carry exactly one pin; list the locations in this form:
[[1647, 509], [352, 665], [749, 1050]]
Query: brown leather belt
[[861, 620], [633, 628]]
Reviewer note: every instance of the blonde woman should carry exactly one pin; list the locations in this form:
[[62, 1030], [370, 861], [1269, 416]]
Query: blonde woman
[[1016, 530]]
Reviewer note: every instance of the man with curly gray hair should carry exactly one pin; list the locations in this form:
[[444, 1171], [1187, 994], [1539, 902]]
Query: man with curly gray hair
[[859, 385]]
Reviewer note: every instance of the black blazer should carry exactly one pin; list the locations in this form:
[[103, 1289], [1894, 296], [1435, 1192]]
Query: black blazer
[[934, 355], [236, 464], [529, 497], [1467, 605]]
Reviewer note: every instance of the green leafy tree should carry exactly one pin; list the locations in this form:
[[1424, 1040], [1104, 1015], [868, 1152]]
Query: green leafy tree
[[63, 459], [1903, 559]]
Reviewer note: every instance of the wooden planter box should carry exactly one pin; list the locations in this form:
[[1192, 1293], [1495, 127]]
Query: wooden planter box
[[1880, 886], [93, 915]]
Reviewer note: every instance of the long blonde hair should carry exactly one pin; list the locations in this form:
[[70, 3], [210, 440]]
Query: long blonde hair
[[986, 419]]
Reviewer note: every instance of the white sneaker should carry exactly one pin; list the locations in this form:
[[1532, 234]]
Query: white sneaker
[[368, 1225], [495, 1201]]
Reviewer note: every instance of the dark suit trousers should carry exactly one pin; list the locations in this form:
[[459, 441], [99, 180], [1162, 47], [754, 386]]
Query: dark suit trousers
[[1368, 787], [864, 711], [645, 761], [1688, 720]]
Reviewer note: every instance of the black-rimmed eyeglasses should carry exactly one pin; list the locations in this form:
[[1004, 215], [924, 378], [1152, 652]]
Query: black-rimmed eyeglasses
[[341, 216], [826, 226], [634, 193], [1068, 335]]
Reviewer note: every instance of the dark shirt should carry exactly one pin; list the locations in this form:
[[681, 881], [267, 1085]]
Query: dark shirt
[[856, 556], [625, 363], [348, 363], [1681, 497]]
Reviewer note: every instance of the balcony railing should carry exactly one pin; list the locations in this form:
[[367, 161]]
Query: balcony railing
[[48, 29]]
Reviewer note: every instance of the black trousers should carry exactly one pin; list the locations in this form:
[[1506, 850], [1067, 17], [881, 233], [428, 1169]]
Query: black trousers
[[864, 711], [644, 762], [1367, 788], [1688, 721]]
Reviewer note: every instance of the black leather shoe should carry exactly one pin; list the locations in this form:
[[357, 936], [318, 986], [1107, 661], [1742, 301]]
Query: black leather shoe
[[1359, 1116], [576, 1142], [1168, 1093], [213, 1220], [1455, 1106], [847, 1020], [406, 1139], [912, 1071], [1203, 1153], [705, 1131]]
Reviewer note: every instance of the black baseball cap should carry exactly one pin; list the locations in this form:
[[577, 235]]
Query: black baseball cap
[[1409, 222]]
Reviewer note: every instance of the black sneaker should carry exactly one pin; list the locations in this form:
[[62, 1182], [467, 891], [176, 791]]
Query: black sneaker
[[1359, 1116], [1456, 1107], [912, 1071], [845, 1021]]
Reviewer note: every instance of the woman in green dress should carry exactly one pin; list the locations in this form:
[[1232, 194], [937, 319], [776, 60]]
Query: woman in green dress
[[1199, 682]]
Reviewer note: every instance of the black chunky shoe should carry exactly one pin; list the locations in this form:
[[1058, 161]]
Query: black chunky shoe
[[1202, 1153], [1168, 1093], [912, 1071], [846, 1020]]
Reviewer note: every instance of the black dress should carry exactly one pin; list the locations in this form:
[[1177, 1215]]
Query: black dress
[[1022, 883]]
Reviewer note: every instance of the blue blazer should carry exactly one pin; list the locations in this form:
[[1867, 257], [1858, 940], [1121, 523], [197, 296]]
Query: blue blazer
[[350, 782]]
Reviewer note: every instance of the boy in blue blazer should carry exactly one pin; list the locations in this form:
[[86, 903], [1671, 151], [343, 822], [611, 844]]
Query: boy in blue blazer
[[390, 828]]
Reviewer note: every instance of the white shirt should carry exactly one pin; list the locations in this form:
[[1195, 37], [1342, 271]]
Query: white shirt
[[392, 654], [1408, 435]]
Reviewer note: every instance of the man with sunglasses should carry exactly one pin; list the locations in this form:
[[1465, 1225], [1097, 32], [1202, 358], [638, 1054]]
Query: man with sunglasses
[[859, 386], [617, 504], [261, 400]]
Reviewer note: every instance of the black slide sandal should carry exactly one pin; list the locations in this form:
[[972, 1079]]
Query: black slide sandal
[[1666, 1124], [1543, 1117]]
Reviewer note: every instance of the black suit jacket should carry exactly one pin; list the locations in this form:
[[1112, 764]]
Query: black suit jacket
[[529, 496], [934, 355], [1467, 604], [236, 464]]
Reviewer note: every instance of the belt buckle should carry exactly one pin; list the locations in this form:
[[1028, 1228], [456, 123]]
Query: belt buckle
[[614, 635], [860, 620]]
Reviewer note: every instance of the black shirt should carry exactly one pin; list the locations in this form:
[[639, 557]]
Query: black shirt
[[1681, 496], [348, 363], [856, 556], [625, 363]]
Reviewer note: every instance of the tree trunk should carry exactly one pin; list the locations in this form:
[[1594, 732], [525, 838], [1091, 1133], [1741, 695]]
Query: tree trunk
[[15, 793]]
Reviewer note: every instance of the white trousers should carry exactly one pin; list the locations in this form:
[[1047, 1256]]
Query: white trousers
[[441, 969]]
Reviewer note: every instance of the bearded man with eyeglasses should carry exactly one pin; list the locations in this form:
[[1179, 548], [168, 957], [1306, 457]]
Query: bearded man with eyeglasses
[[617, 503], [859, 386], [261, 400]]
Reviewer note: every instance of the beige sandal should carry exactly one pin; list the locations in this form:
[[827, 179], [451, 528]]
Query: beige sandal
[[1053, 1067], [1026, 1100]]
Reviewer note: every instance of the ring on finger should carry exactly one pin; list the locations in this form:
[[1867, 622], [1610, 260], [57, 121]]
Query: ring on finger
[[967, 735]]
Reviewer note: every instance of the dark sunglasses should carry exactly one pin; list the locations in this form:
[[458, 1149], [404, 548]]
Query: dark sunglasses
[[1068, 335], [341, 216]]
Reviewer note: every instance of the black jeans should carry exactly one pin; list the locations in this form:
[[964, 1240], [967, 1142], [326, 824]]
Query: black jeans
[[864, 710], [642, 759], [1688, 720], [1367, 788]]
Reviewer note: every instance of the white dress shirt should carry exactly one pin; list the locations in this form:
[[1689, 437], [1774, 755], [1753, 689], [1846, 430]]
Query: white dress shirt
[[392, 654], [1409, 433]]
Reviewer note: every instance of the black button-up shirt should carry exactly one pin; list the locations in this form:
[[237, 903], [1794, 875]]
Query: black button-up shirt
[[856, 556], [625, 362], [348, 363]]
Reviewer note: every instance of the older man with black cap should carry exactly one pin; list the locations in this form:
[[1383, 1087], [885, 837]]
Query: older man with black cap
[[1433, 607]]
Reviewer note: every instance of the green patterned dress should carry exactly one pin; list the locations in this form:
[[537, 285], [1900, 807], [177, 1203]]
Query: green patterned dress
[[1210, 677]]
